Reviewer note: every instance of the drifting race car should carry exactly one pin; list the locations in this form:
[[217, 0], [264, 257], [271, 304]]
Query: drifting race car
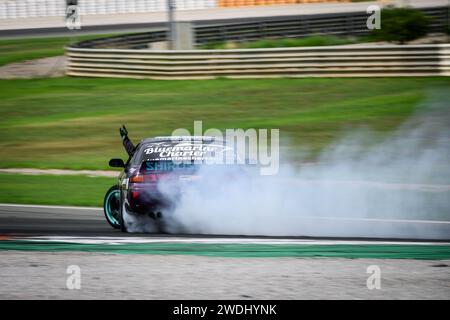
[[137, 198]]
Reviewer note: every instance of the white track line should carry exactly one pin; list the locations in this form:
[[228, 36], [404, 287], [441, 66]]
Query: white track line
[[47, 207], [373, 220], [294, 217]]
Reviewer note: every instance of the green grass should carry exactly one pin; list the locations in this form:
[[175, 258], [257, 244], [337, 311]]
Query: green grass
[[17, 50], [53, 190], [311, 41], [73, 122]]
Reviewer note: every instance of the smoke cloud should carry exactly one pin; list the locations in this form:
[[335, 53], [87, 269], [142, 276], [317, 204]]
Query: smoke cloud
[[395, 186]]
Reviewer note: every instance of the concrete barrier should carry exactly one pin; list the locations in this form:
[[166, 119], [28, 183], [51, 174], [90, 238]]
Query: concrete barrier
[[332, 61]]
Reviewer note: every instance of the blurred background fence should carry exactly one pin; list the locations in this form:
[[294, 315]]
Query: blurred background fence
[[46, 8], [340, 24]]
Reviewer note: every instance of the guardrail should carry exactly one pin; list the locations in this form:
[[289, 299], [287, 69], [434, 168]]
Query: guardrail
[[335, 61]]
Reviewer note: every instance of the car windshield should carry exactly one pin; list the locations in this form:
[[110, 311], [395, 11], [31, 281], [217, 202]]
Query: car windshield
[[185, 152]]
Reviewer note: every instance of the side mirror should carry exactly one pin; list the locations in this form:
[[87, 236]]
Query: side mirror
[[116, 163]]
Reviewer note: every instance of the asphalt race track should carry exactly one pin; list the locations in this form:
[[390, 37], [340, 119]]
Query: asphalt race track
[[33, 220], [47, 220]]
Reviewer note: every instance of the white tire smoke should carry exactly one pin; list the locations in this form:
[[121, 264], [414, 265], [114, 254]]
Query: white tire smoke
[[360, 187]]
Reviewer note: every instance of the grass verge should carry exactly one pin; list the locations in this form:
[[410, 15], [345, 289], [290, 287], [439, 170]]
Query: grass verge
[[17, 50], [73, 123], [311, 41], [54, 190]]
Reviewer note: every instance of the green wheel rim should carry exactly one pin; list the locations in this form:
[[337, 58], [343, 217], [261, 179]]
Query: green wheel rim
[[112, 215]]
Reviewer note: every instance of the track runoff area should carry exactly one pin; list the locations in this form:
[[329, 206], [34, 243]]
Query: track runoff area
[[65, 229]]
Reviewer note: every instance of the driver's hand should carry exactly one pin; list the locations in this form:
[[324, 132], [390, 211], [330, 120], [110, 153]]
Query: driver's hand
[[123, 132]]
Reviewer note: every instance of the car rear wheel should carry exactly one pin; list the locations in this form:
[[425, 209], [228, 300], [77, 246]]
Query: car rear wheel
[[111, 207]]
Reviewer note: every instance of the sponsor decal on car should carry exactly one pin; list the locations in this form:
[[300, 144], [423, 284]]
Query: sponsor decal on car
[[185, 151]]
